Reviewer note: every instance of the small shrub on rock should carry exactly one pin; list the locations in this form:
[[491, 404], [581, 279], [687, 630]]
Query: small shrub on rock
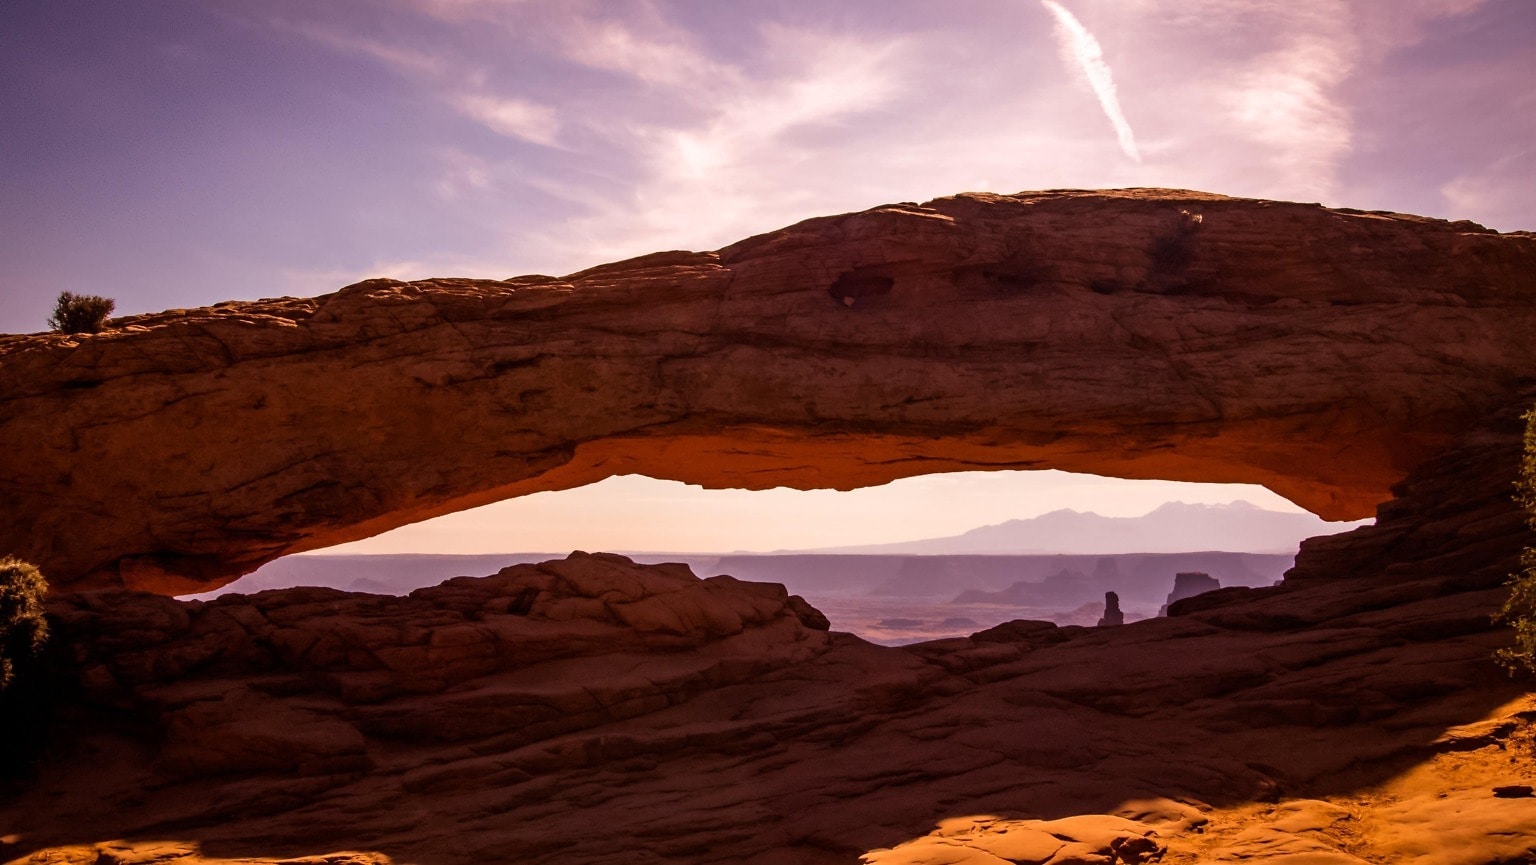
[[25, 698], [1520, 610], [80, 313], [23, 628]]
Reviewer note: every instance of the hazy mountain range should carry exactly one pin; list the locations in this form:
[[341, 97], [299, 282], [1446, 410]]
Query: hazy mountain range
[[1172, 528], [1239, 543]]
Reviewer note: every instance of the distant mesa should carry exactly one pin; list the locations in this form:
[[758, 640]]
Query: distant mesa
[[1087, 615], [1139, 582], [1188, 584], [861, 588], [1046, 593], [1173, 527]]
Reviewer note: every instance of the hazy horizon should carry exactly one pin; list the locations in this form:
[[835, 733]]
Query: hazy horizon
[[646, 516]]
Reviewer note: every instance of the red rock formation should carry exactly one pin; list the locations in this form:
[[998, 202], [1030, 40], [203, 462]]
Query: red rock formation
[[367, 662], [1113, 615], [593, 711], [1323, 353]]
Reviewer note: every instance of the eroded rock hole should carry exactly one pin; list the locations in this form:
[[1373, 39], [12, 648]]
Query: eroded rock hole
[[918, 559], [861, 284]]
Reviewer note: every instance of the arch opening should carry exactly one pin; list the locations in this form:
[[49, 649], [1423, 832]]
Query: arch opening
[[1325, 354], [916, 559]]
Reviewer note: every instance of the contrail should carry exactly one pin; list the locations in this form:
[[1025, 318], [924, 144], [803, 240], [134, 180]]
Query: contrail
[[1076, 38]]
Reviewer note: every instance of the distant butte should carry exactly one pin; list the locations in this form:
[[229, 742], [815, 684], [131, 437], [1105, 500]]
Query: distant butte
[[1139, 333]]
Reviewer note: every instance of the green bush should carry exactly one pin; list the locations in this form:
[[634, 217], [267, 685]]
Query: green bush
[[1520, 610], [26, 698], [23, 629], [80, 313]]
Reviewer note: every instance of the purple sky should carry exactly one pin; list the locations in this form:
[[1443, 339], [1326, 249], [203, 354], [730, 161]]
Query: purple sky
[[182, 152], [173, 153]]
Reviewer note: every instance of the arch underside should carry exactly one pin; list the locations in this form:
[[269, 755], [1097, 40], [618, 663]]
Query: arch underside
[[1321, 353]]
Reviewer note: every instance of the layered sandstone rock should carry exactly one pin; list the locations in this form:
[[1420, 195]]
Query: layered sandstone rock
[[594, 711], [296, 680], [1324, 353]]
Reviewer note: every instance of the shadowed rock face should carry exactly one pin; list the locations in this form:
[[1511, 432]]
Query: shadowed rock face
[[591, 710], [1322, 353]]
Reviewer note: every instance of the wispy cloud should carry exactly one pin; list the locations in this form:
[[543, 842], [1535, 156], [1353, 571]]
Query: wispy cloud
[[1497, 195], [720, 149], [1287, 103], [510, 116], [462, 173], [1078, 43], [1246, 97], [461, 11], [661, 130], [460, 85], [668, 57], [404, 59]]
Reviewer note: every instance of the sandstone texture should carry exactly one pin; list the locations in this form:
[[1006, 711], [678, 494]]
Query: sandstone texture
[[1139, 333], [590, 710], [990, 841]]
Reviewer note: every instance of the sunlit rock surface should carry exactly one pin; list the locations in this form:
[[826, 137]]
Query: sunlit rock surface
[[1139, 333]]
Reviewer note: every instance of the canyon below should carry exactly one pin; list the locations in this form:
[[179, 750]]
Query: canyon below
[[594, 709], [887, 599]]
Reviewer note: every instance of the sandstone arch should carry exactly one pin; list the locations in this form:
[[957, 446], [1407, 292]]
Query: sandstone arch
[[1323, 353]]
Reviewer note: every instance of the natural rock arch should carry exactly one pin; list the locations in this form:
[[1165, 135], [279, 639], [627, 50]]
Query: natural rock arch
[[1139, 333]]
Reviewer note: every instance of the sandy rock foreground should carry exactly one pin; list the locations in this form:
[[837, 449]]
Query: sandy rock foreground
[[685, 720]]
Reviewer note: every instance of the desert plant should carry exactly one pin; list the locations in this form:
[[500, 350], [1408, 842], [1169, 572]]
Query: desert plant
[[23, 629], [1173, 251], [80, 313], [26, 707], [1520, 610]]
